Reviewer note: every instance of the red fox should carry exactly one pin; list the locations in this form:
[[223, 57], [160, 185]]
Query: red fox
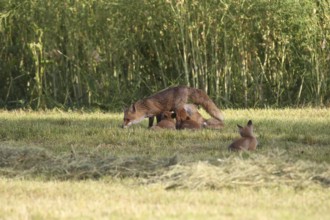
[[213, 123], [183, 120], [167, 121], [247, 141], [192, 111], [170, 99], [194, 115]]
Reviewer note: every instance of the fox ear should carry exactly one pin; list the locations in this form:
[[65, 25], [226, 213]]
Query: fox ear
[[132, 108], [240, 129], [249, 123]]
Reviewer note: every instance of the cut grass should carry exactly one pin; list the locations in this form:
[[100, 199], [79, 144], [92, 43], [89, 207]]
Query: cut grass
[[110, 199], [303, 133], [144, 174]]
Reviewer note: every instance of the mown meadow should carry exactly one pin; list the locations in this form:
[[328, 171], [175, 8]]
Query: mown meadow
[[68, 68], [80, 164]]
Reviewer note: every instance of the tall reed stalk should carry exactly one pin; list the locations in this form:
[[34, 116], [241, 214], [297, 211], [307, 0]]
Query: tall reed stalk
[[106, 54]]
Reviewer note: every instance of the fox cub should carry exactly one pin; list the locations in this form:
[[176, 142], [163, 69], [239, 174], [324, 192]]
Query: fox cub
[[184, 121], [166, 121], [196, 117], [247, 141]]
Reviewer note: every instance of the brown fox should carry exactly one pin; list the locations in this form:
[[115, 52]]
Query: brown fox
[[192, 119], [194, 115], [192, 111], [247, 141], [170, 99], [167, 121], [183, 120], [213, 123]]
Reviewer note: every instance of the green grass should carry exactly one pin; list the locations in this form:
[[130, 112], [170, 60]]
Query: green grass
[[81, 165], [21, 199]]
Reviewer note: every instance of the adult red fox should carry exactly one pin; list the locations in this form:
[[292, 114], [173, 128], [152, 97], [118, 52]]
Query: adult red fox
[[247, 141], [170, 99], [167, 122]]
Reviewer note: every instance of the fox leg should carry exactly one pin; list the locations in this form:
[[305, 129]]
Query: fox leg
[[151, 121], [159, 118], [152, 118]]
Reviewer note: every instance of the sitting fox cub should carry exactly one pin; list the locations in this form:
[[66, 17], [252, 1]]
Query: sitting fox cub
[[171, 99], [247, 141]]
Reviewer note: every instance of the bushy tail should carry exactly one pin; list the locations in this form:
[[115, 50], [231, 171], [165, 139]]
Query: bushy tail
[[199, 97]]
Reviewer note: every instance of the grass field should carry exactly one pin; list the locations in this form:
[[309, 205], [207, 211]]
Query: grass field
[[82, 165]]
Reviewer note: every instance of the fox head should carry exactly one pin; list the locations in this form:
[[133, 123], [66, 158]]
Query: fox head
[[246, 131], [132, 116]]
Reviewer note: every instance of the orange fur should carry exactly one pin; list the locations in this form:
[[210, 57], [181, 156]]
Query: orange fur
[[183, 120], [169, 99], [247, 141], [213, 123], [194, 115], [167, 122]]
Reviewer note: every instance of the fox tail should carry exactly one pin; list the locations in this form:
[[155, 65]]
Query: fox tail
[[199, 97]]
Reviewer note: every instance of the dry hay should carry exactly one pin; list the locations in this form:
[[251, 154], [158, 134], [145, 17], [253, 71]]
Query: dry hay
[[271, 170], [37, 162], [245, 169]]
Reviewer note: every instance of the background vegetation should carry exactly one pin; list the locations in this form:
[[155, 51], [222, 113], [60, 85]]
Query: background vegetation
[[107, 53]]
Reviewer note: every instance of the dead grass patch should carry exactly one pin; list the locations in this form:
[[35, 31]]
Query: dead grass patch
[[252, 170], [246, 169]]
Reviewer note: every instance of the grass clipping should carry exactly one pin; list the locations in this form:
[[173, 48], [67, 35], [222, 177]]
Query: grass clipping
[[30, 162], [239, 169], [247, 169]]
